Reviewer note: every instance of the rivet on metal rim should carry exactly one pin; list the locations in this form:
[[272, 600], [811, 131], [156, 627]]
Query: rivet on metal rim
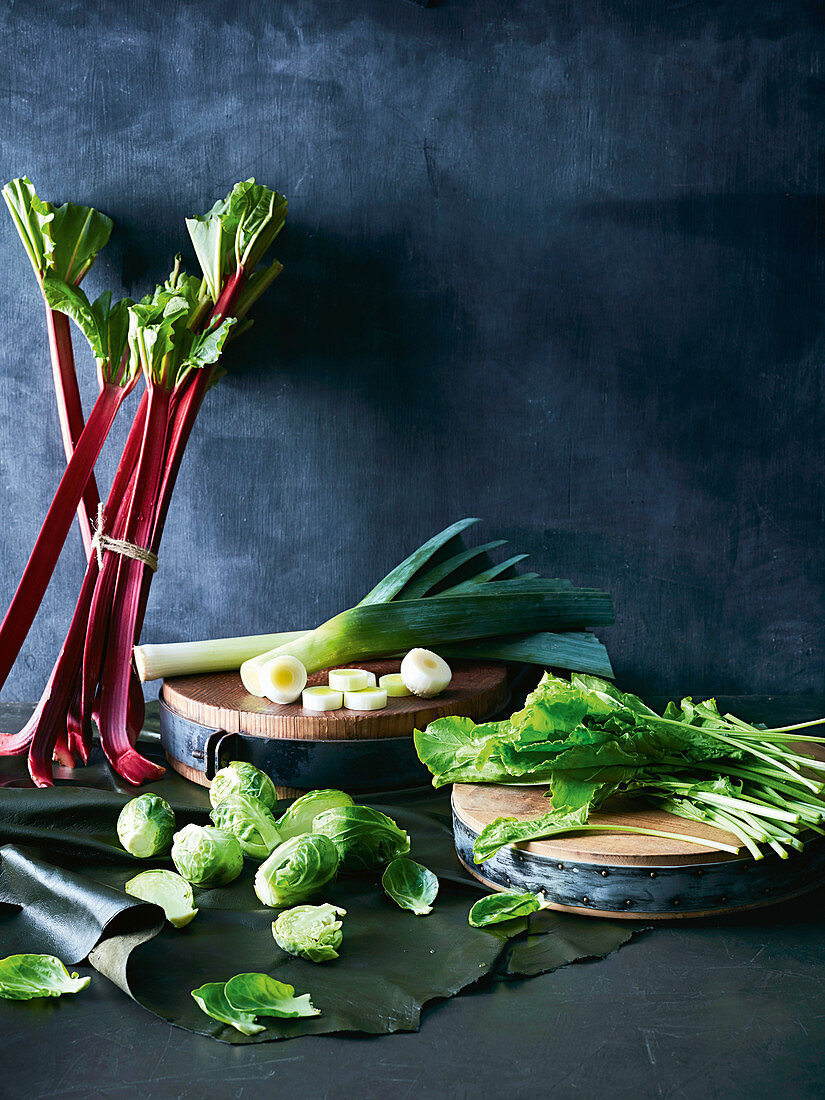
[[604, 874], [586, 901], [653, 874], [561, 866], [628, 903], [675, 901]]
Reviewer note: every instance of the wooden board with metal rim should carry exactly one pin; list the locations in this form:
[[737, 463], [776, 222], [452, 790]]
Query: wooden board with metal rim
[[207, 720], [610, 874]]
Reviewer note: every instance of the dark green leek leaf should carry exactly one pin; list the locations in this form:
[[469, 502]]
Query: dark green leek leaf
[[395, 580]]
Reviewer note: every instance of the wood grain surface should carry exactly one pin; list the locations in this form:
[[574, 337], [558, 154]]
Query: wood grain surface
[[221, 701]]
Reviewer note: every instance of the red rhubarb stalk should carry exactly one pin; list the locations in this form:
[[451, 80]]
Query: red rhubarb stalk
[[114, 702], [70, 412], [53, 533]]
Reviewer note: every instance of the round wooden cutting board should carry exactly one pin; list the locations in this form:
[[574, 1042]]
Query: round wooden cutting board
[[208, 720], [623, 875]]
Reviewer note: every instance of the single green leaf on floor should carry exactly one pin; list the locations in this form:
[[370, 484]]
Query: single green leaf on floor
[[410, 885], [24, 977], [264, 996], [212, 999], [504, 906]]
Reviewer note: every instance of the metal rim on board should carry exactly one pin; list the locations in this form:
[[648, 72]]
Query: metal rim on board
[[654, 892]]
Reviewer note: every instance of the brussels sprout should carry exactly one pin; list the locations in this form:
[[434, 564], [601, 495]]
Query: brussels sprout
[[242, 778], [365, 838], [303, 811], [249, 820], [296, 870], [410, 885], [310, 931], [207, 856], [146, 826], [168, 890]]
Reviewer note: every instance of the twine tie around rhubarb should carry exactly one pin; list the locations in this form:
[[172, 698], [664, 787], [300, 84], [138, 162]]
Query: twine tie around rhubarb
[[102, 542]]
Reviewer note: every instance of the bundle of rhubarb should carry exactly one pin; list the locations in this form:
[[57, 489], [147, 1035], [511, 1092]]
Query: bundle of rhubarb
[[171, 342]]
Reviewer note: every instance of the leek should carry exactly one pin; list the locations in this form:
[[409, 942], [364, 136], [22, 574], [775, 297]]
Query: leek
[[155, 662]]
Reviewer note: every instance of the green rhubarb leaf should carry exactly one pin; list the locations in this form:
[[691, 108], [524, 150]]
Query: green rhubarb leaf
[[31, 219], [64, 240], [236, 231], [79, 233], [105, 326], [206, 348], [23, 977]]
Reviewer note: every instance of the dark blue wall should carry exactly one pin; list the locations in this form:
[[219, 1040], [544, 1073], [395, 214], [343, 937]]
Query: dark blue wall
[[558, 265]]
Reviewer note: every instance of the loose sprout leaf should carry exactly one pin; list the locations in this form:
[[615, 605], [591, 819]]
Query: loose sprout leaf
[[311, 932], [503, 906], [168, 890], [364, 837], [410, 885], [264, 996], [212, 999], [299, 817], [248, 819], [23, 977]]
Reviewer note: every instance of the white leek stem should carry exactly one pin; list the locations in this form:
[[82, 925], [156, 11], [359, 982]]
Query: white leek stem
[[218, 655]]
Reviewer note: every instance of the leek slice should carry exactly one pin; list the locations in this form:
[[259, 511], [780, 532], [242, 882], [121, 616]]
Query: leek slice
[[322, 698], [425, 673], [394, 685], [366, 699], [349, 679], [283, 678]]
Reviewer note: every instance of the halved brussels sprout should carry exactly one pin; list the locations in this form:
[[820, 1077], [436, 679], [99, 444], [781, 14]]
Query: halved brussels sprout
[[239, 777], [310, 931], [168, 890], [296, 870], [365, 838], [207, 856], [249, 820], [146, 825], [303, 811]]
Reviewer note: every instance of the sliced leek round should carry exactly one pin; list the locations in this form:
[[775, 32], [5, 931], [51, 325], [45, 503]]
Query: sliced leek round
[[371, 698], [371, 681], [349, 679], [425, 673], [394, 685], [283, 679], [322, 698]]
